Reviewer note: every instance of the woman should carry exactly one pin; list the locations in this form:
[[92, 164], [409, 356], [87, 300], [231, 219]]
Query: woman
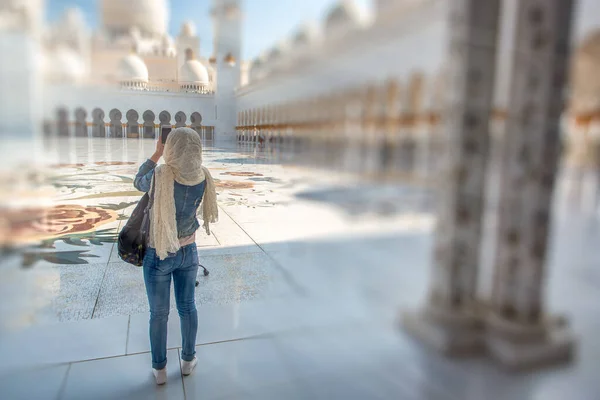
[[181, 187]]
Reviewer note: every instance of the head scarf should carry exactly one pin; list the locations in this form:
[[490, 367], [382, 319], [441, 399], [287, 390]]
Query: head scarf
[[183, 164]]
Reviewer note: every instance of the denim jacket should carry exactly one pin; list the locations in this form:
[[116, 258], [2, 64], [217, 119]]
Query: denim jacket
[[187, 199]]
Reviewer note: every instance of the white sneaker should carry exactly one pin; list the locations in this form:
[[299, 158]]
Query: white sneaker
[[160, 375], [188, 366]]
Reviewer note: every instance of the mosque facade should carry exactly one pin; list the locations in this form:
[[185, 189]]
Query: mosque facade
[[129, 77], [381, 78], [125, 79]]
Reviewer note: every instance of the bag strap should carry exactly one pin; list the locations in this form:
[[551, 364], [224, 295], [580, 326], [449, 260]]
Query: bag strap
[[145, 227], [151, 194]]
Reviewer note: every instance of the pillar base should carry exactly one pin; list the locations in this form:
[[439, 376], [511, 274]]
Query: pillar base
[[519, 347], [451, 334]]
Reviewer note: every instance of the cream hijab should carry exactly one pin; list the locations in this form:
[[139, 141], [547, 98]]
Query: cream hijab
[[183, 163]]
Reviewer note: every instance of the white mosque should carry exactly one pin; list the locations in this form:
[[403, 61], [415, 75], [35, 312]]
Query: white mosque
[[356, 71], [127, 78]]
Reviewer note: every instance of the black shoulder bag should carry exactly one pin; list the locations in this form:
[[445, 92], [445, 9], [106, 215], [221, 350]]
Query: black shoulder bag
[[133, 238]]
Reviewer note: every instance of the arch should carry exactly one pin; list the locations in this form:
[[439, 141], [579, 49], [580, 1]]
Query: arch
[[196, 119], [180, 119], [189, 54], [164, 118], [196, 122], [149, 129], [115, 126], [98, 127], [62, 122], [133, 129], [81, 129]]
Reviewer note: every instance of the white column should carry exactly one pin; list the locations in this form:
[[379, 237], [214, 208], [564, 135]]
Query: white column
[[21, 91], [519, 332], [450, 320]]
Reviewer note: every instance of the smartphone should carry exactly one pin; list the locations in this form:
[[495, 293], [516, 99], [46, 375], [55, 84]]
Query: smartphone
[[165, 133]]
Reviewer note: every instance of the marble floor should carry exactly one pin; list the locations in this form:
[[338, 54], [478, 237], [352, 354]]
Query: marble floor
[[308, 271], [268, 213]]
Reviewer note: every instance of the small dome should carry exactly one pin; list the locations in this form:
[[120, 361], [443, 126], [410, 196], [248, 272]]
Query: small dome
[[261, 60], [188, 29], [344, 15], [168, 46], [257, 63], [192, 71], [274, 54], [133, 69], [167, 41], [151, 16], [71, 28], [257, 68], [305, 35], [73, 18], [65, 66]]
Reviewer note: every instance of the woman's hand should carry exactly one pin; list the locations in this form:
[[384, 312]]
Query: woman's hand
[[160, 147]]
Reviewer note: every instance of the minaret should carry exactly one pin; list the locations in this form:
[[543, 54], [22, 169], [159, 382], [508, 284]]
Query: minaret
[[187, 40], [227, 22]]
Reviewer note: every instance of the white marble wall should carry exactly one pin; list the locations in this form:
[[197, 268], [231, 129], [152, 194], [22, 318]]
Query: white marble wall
[[72, 97], [20, 88]]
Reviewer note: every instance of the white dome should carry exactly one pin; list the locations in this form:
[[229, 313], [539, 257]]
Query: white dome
[[345, 14], [306, 34], [64, 65], [71, 28], [192, 71], [133, 69], [188, 29], [275, 53], [257, 63], [150, 16], [167, 41], [74, 19], [258, 67]]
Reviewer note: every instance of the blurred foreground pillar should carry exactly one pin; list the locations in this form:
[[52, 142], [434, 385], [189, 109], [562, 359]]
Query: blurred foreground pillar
[[451, 320], [519, 332]]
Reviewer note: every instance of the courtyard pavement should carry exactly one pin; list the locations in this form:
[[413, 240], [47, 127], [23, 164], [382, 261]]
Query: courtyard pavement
[[309, 270]]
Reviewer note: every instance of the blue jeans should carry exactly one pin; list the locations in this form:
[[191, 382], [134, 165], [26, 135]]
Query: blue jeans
[[183, 266]]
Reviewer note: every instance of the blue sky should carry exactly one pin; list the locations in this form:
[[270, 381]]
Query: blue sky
[[265, 22]]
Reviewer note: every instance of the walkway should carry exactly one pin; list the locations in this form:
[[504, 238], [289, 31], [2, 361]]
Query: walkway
[[309, 272]]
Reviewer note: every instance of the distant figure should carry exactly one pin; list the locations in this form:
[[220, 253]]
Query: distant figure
[[181, 187]]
